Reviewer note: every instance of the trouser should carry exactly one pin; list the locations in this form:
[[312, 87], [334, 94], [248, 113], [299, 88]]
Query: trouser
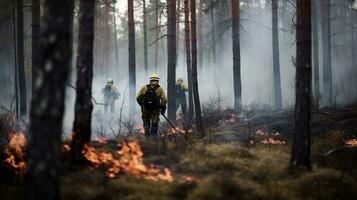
[[111, 107], [181, 102], [151, 122]]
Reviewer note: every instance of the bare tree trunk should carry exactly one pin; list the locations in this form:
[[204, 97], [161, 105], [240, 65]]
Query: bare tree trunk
[[36, 11], [276, 57], [188, 62], [132, 58], [47, 104], [301, 145], [196, 95], [316, 53], [171, 58], [178, 13], [21, 58], [353, 42], [326, 52], [157, 30], [236, 57], [84, 106], [107, 64], [146, 63], [16, 80], [213, 33], [200, 35], [116, 37]]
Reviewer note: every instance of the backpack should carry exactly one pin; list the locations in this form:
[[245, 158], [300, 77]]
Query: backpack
[[151, 101], [179, 91]]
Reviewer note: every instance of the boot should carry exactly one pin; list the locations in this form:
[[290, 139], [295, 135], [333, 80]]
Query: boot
[[153, 132], [147, 130]]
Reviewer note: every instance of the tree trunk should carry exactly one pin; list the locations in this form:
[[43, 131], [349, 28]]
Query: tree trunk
[[236, 57], [196, 95], [301, 143], [188, 62], [326, 52], [16, 80], [47, 104], [157, 30], [132, 58], [276, 57], [145, 39], [316, 53], [83, 106], [21, 58], [171, 57], [213, 33], [200, 35], [353, 43], [107, 40], [178, 13], [116, 37], [36, 11]]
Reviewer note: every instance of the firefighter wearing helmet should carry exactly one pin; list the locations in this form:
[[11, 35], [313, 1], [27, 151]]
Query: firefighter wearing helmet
[[110, 95], [181, 90], [152, 100]]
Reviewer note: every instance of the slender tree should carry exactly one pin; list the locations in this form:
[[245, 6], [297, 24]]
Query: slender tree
[[36, 10], [157, 30], [316, 52], [301, 144], [326, 52], [116, 35], [276, 56], [21, 58], [188, 61], [196, 95], [213, 32], [132, 58], [171, 57], [200, 35], [145, 38], [47, 104], [84, 106], [236, 57], [16, 80]]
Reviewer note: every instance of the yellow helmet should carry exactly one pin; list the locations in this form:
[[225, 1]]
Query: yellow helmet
[[180, 80], [110, 81], [154, 77]]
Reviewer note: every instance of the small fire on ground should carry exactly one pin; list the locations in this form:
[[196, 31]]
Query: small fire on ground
[[14, 152], [351, 142], [268, 138], [128, 160]]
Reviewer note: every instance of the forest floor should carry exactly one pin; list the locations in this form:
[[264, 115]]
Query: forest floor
[[241, 157]]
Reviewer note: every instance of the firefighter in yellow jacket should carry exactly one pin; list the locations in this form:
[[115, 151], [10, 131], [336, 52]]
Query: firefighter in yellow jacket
[[152, 100], [181, 90]]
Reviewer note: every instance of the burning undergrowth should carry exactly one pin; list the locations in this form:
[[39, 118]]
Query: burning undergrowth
[[15, 154], [127, 160]]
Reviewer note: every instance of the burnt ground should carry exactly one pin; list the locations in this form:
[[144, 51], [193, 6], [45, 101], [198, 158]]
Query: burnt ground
[[231, 162]]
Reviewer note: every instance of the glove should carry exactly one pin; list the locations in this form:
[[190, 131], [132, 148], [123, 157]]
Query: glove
[[163, 109]]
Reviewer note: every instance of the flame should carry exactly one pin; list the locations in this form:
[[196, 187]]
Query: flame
[[15, 151], [269, 138], [351, 142], [176, 131], [65, 148], [272, 141], [129, 160]]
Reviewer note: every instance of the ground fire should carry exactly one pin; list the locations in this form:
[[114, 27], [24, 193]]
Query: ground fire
[[129, 160], [14, 152]]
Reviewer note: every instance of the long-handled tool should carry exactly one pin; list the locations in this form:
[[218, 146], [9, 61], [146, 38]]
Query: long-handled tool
[[169, 122]]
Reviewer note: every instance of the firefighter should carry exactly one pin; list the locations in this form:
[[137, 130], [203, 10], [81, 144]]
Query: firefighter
[[110, 95], [181, 90], [152, 100]]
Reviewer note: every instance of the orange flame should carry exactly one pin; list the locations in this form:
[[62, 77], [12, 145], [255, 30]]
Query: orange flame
[[129, 161], [15, 149], [352, 142], [176, 131], [271, 141]]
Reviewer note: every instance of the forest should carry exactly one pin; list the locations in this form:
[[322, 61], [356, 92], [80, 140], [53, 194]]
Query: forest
[[178, 99]]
